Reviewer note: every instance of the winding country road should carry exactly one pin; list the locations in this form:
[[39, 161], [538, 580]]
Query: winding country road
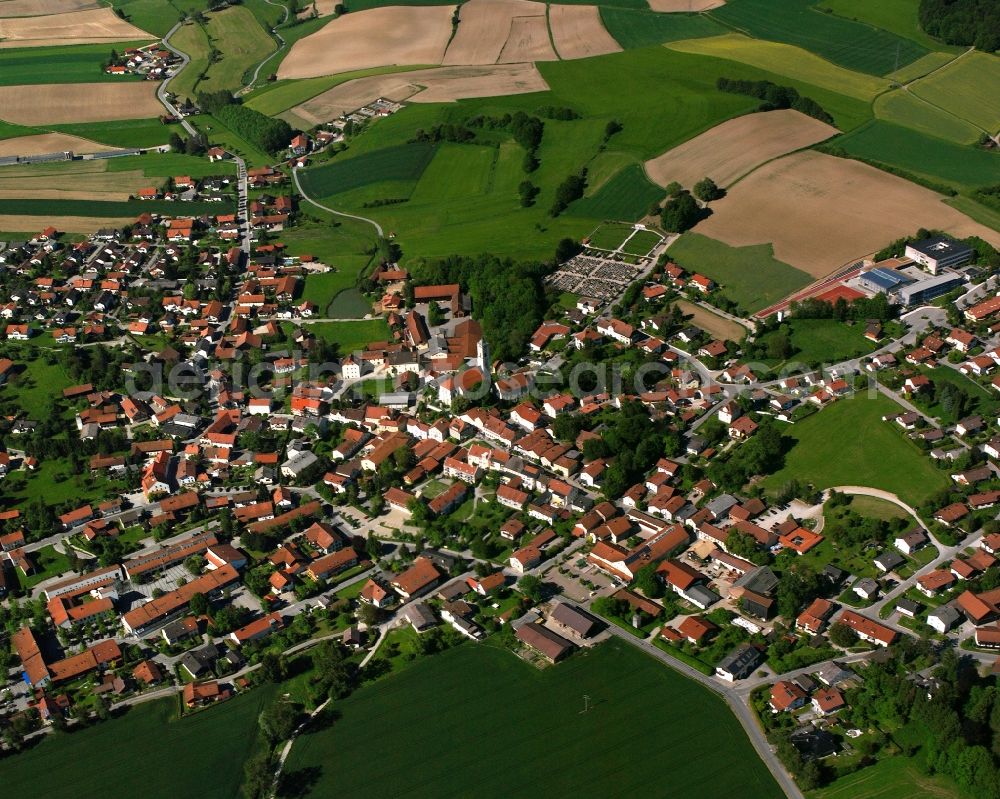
[[282, 44], [307, 198]]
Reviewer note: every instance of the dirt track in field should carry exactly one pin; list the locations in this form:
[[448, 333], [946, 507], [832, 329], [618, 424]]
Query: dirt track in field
[[822, 212], [64, 103], [579, 33], [737, 146]]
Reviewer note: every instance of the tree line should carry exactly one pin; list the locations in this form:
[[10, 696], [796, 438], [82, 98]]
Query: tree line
[[963, 22], [773, 96]]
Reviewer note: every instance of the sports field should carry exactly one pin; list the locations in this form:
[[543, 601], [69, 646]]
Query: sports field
[[847, 443], [893, 778], [750, 276], [201, 755], [941, 161], [969, 88], [787, 59], [850, 44], [532, 721]]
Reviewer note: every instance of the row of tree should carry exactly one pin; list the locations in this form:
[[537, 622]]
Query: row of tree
[[963, 22], [773, 96]]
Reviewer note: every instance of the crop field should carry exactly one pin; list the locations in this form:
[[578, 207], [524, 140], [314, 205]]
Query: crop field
[[42, 143], [750, 276], [893, 778], [455, 172], [92, 26], [921, 67], [787, 59], [729, 151], [847, 443], [939, 160], [65, 224], [969, 88], [242, 44], [895, 16], [850, 44], [821, 212], [484, 28], [111, 209], [578, 32], [640, 27], [81, 63], [211, 745], [64, 103], [905, 108], [535, 721], [627, 195], [122, 133], [404, 162], [164, 165], [35, 8], [407, 35]]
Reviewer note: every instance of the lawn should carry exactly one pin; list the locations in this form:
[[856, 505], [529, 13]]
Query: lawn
[[850, 44], [893, 778], [983, 401], [54, 483], [906, 109], [969, 88], [80, 63], [642, 242], [819, 341], [640, 27], [242, 44], [610, 236], [199, 755], [344, 244], [35, 388], [628, 195], [350, 336], [750, 276], [48, 562], [535, 724], [787, 59], [849, 444], [405, 162], [876, 508]]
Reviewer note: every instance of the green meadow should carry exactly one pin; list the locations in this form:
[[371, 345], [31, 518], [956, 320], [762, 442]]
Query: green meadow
[[79, 63]]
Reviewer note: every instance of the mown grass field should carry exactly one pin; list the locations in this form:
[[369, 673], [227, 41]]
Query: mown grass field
[[536, 726], [787, 59], [818, 341], [628, 195], [81, 63], [35, 387], [905, 108], [642, 242], [164, 165], [961, 166], [190, 38], [610, 236], [351, 336], [750, 276], [199, 755], [969, 88], [892, 778], [242, 43], [847, 443], [640, 27], [850, 44], [156, 16]]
